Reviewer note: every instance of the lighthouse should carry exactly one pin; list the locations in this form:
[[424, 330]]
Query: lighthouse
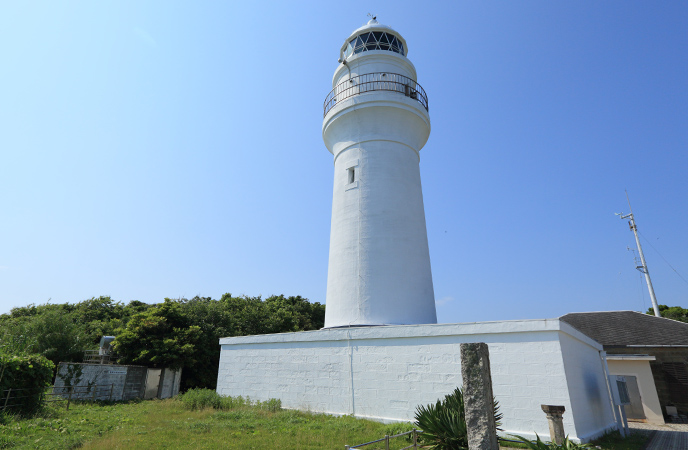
[[375, 123]]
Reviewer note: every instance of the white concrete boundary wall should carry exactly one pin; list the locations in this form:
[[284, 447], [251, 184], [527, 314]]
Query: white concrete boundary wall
[[385, 372]]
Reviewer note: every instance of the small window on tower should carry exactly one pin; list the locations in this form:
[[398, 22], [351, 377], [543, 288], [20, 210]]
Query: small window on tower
[[352, 175]]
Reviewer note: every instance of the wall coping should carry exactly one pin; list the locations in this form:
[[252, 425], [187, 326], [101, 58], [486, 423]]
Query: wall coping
[[417, 331]]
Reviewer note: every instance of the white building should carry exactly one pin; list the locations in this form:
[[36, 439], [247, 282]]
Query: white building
[[376, 122]]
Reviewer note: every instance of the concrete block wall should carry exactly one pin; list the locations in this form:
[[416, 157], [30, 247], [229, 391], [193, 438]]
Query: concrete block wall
[[114, 381], [384, 373], [169, 383]]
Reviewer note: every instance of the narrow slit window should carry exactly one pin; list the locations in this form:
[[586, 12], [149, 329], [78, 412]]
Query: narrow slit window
[[352, 175]]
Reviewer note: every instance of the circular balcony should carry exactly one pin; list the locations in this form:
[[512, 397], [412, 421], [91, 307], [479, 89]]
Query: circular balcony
[[376, 81]]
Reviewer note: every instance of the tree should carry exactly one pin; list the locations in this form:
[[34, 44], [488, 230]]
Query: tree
[[52, 332], [671, 312], [241, 316], [162, 336]]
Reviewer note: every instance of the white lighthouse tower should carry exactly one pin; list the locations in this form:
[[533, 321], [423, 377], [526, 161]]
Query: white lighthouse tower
[[375, 123]]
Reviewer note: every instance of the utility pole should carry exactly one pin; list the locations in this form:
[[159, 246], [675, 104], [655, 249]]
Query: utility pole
[[643, 267]]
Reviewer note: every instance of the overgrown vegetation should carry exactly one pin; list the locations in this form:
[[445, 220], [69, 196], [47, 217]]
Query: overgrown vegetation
[[26, 376], [175, 333], [194, 399], [174, 423], [171, 424], [444, 423]]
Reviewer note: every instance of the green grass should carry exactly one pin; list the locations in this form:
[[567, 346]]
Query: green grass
[[172, 424], [187, 422]]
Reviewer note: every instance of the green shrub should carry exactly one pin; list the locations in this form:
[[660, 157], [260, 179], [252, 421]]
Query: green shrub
[[444, 423], [200, 399], [27, 376], [207, 398]]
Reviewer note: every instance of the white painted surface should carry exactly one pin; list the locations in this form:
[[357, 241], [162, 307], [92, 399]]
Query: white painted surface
[[589, 395], [639, 368], [384, 373], [379, 265]]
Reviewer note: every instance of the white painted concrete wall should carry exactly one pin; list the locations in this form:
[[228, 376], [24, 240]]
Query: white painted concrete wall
[[379, 265], [646, 385], [590, 401], [384, 373]]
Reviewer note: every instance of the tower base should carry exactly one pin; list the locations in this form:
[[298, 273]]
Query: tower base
[[385, 372]]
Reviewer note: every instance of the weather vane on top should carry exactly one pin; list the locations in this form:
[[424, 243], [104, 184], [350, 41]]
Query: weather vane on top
[[374, 17]]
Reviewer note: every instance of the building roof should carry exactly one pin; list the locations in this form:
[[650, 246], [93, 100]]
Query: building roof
[[629, 328]]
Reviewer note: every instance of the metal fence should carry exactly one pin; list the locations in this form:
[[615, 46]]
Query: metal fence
[[386, 439], [95, 356], [11, 399], [376, 81]]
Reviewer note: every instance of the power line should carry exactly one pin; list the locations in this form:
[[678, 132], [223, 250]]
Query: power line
[[660, 255]]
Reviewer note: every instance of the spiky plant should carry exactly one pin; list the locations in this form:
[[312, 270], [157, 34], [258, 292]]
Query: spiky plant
[[444, 423]]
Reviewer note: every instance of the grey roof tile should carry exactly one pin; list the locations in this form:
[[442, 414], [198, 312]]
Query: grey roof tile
[[624, 328]]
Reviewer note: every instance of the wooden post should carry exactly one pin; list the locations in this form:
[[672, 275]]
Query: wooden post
[[415, 438], [95, 389], [7, 398], [69, 398], [386, 442], [112, 386]]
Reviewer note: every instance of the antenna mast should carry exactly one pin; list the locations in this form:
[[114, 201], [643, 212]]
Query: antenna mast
[[643, 267]]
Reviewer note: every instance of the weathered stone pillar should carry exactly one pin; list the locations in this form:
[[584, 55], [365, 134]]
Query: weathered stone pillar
[[477, 397], [556, 422]]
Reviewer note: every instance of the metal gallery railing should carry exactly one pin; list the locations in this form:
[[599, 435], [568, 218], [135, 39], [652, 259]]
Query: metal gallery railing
[[95, 356], [376, 81], [386, 439]]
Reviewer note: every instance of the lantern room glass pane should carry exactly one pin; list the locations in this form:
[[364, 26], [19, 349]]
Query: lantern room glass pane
[[374, 40]]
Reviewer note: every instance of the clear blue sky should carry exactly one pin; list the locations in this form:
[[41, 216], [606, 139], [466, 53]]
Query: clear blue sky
[[173, 149]]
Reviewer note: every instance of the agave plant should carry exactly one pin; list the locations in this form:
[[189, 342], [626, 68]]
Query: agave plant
[[444, 423], [538, 444]]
